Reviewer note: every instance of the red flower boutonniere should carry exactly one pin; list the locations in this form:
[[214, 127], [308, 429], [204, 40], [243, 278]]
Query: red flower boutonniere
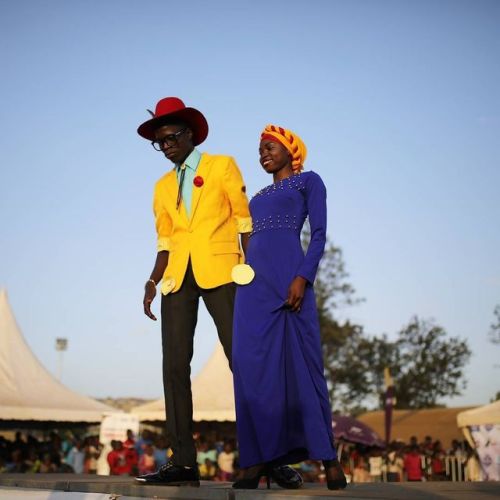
[[198, 181]]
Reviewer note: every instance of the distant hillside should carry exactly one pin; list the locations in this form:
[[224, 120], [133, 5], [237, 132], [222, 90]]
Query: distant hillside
[[124, 404]]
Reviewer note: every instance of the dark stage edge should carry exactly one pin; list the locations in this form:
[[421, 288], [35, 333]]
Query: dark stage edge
[[126, 489]]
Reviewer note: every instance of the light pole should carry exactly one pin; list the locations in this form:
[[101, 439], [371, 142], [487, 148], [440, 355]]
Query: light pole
[[61, 346]]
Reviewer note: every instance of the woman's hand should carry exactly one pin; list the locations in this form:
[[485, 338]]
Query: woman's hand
[[296, 293], [149, 295]]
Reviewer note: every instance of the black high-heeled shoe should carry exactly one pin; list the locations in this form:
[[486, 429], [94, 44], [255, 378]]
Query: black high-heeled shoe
[[335, 478], [251, 478]]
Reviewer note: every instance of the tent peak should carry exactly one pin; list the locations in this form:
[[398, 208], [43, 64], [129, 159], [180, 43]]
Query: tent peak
[[28, 391]]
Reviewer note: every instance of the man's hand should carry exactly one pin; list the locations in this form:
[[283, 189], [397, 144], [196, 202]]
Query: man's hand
[[296, 293], [149, 295]]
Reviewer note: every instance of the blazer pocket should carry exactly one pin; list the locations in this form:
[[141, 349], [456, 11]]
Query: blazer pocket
[[220, 247]]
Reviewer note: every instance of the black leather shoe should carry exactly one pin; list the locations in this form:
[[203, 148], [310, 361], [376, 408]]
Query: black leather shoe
[[286, 477], [172, 475]]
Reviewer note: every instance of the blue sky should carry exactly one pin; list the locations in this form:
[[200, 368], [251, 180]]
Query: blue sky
[[397, 101]]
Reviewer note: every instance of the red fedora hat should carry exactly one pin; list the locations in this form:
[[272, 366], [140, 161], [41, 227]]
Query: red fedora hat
[[173, 107]]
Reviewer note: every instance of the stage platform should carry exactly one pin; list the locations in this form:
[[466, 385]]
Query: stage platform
[[91, 487]]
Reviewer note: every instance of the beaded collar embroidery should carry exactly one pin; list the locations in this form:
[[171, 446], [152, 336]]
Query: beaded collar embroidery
[[294, 181]]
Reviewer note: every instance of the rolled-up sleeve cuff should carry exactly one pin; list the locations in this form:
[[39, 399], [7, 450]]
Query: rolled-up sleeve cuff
[[244, 224], [163, 244]]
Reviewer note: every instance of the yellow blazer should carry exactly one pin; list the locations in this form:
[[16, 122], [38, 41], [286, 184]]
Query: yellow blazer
[[219, 211]]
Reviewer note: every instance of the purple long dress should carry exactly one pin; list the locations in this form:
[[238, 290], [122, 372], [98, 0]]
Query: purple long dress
[[282, 408]]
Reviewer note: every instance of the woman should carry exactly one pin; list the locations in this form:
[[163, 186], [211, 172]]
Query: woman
[[282, 408]]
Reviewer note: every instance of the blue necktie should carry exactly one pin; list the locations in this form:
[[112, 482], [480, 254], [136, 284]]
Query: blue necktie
[[181, 182]]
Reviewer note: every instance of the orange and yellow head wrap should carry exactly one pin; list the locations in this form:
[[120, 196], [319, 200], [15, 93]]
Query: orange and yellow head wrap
[[292, 142]]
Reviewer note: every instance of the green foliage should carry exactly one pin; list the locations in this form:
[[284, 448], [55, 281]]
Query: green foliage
[[425, 363], [495, 327], [428, 366], [342, 341]]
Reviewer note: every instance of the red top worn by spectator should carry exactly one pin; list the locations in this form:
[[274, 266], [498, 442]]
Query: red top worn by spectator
[[437, 465], [413, 465], [131, 456], [438, 457], [130, 441], [117, 460]]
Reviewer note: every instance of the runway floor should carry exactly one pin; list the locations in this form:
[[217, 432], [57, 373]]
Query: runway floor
[[91, 487]]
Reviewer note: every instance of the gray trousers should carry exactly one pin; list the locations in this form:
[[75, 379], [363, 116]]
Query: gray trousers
[[179, 314]]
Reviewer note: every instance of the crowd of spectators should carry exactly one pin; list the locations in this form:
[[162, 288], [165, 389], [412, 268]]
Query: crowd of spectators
[[413, 461], [218, 458], [52, 454], [138, 456]]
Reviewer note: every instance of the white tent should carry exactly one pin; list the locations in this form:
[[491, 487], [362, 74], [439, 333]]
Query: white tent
[[484, 415], [28, 392], [481, 427], [213, 395]]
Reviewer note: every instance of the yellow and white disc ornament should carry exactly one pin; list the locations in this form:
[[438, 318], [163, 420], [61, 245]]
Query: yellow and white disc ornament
[[167, 285], [242, 274]]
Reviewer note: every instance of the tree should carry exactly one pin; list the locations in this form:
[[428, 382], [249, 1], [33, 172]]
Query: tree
[[346, 358], [427, 365], [495, 327], [342, 341]]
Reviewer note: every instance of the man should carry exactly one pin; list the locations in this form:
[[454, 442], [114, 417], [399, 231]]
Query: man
[[200, 208], [76, 456]]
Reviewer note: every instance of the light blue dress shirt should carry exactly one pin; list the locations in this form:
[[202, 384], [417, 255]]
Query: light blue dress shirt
[[191, 164]]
